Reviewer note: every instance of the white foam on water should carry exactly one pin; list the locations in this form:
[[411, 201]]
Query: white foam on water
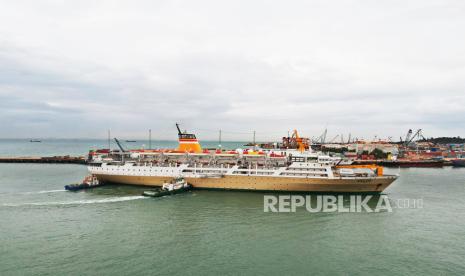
[[44, 192], [51, 191], [35, 192], [79, 202]]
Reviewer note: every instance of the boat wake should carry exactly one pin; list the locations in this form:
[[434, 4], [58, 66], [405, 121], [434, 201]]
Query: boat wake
[[43, 192], [79, 202]]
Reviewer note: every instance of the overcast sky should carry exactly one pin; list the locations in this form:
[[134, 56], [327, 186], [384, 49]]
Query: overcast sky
[[77, 68]]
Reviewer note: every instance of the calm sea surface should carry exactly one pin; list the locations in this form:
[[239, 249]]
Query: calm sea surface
[[75, 147], [112, 230]]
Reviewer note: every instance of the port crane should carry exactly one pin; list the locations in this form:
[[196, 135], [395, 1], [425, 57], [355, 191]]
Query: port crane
[[301, 142], [334, 139], [120, 146], [322, 138], [123, 151], [410, 137], [295, 141]]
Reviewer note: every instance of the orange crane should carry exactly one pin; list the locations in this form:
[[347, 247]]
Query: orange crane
[[302, 143]]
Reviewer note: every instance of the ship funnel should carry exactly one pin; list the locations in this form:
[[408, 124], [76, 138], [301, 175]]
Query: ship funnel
[[187, 141]]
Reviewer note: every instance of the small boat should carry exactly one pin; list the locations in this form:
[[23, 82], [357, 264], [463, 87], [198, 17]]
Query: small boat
[[458, 162], [131, 141], [251, 145], [89, 182], [35, 141], [175, 186]]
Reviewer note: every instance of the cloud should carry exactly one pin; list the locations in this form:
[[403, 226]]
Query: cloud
[[369, 68]]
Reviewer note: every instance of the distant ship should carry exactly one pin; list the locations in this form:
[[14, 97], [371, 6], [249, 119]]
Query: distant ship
[[35, 141], [272, 170]]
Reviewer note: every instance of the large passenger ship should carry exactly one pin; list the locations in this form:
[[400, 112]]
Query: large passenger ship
[[296, 170]]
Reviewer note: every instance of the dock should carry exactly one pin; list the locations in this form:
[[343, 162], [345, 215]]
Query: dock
[[404, 163], [45, 160]]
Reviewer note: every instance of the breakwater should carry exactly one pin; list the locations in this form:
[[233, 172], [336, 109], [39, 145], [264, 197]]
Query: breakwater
[[45, 159]]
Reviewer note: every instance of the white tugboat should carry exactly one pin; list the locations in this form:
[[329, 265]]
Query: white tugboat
[[175, 186]]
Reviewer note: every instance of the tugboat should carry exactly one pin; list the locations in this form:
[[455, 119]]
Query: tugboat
[[89, 182], [458, 162], [175, 186]]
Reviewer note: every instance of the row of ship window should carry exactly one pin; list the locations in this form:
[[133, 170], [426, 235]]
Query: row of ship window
[[144, 170]]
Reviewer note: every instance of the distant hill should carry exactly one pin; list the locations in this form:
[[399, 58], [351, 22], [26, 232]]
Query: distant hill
[[446, 140]]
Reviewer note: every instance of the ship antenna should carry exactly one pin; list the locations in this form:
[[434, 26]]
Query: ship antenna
[[179, 130]]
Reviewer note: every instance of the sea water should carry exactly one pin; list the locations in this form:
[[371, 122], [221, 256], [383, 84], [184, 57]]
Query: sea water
[[113, 230]]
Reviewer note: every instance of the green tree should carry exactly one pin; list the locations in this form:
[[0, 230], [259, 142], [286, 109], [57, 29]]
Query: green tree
[[379, 154]]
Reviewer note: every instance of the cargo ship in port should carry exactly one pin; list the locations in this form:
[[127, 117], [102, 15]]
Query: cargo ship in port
[[293, 170]]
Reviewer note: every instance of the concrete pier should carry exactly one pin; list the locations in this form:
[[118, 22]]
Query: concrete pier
[[44, 160]]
